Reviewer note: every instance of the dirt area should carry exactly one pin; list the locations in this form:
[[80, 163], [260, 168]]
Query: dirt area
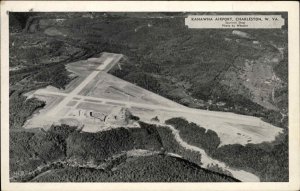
[[68, 111], [71, 103], [207, 161], [110, 87], [103, 108], [234, 129], [97, 100]]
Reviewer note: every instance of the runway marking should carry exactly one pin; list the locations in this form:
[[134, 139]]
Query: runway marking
[[75, 92], [129, 104], [110, 61]]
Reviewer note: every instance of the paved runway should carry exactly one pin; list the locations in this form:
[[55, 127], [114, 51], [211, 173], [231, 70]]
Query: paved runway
[[108, 63]]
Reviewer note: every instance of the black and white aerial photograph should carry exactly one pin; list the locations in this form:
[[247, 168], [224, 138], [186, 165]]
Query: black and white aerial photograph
[[140, 97], [148, 97]]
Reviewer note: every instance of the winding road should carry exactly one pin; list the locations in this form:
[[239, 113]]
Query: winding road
[[206, 160]]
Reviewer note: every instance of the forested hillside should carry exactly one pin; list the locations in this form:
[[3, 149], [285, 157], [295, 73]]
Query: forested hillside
[[157, 168], [266, 160], [64, 154], [207, 69]]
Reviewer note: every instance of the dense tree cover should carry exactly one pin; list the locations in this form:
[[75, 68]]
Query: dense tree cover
[[200, 58], [59, 80], [28, 150], [48, 146], [102, 145], [281, 94], [166, 44], [147, 137], [144, 80], [32, 150], [153, 46], [98, 146], [20, 152], [22, 82], [157, 168], [170, 145], [271, 164], [20, 109], [62, 131], [281, 69], [203, 67], [195, 135], [267, 160], [17, 20], [240, 104], [33, 77]]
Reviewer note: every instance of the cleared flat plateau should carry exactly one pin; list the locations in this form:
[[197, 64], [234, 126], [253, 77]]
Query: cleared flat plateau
[[95, 94], [97, 101]]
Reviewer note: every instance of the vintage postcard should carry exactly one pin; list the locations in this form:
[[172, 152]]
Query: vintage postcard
[[149, 95]]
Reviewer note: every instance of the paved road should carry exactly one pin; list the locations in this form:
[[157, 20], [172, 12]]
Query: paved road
[[206, 160], [111, 60]]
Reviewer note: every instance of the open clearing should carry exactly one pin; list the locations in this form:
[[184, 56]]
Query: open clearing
[[96, 101], [207, 161], [95, 93]]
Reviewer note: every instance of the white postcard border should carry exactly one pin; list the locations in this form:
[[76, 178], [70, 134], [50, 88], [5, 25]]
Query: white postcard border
[[155, 6]]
